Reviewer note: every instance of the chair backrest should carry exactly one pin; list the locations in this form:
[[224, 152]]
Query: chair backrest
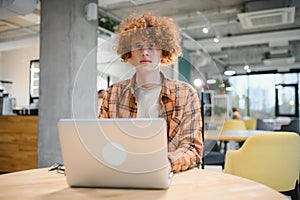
[[271, 158], [250, 124], [234, 124]]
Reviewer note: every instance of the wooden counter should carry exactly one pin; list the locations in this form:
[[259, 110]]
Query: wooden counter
[[18, 143]]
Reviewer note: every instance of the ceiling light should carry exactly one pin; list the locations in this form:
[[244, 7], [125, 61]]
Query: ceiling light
[[229, 72], [248, 70], [198, 82], [211, 81], [205, 30], [216, 40], [246, 67]]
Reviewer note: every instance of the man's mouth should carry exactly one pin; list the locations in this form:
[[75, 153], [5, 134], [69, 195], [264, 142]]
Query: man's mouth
[[145, 61]]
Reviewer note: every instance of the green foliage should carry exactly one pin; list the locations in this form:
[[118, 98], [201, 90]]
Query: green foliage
[[220, 85], [107, 23], [219, 110]]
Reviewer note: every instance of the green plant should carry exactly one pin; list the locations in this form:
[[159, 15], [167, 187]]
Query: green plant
[[219, 110], [107, 23]]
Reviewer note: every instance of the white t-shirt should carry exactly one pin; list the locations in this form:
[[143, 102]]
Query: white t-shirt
[[148, 101]]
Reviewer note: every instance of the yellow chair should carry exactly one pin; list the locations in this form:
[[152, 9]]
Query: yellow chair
[[234, 124], [250, 124], [271, 158]]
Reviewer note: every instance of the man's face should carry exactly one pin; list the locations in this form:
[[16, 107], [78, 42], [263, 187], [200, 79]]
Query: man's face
[[145, 54]]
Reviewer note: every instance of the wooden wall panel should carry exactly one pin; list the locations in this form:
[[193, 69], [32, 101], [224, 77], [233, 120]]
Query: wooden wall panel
[[18, 143]]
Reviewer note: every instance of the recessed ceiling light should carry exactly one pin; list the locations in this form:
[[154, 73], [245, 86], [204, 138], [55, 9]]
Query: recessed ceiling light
[[198, 82], [211, 81], [229, 72], [216, 40], [246, 67], [205, 30]]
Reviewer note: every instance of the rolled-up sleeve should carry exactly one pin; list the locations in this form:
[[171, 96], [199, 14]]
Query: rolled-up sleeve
[[187, 143]]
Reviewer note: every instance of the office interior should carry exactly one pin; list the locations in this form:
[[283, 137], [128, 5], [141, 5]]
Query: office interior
[[238, 54]]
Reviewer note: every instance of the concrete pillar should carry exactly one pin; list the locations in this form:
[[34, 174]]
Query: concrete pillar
[[67, 71]]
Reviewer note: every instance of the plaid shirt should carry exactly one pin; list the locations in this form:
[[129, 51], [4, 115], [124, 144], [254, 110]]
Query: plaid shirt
[[180, 107]]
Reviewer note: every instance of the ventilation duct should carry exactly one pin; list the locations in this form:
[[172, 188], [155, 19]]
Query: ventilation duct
[[279, 61], [13, 8], [279, 57], [267, 18]]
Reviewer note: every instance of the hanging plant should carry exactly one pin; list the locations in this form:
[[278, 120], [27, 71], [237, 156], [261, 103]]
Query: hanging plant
[[107, 23], [220, 85]]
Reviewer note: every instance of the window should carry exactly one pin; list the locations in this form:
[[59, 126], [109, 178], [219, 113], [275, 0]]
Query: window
[[254, 95], [287, 103], [34, 80]]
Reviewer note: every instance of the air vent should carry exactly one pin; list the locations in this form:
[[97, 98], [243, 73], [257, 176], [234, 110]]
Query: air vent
[[266, 18], [140, 2], [279, 61]]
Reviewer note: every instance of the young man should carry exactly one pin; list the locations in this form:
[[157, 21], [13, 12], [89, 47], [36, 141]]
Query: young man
[[149, 42]]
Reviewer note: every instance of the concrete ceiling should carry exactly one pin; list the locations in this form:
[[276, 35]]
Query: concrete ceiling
[[19, 24], [264, 34], [269, 42]]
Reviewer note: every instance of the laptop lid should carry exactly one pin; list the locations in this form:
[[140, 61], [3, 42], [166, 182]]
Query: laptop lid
[[123, 153]]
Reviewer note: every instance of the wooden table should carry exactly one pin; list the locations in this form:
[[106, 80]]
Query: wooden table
[[192, 184], [234, 135]]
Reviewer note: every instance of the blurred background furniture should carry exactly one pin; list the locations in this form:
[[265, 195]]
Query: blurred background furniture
[[250, 124], [212, 154], [233, 124], [293, 126], [270, 158], [261, 125]]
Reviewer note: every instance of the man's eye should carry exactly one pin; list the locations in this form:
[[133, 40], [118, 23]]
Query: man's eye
[[151, 45], [138, 46]]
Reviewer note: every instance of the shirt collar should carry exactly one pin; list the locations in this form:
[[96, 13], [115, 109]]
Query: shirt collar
[[166, 87], [131, 84]]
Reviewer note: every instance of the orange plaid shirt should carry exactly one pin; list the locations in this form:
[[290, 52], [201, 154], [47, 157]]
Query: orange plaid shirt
[[179, 106]]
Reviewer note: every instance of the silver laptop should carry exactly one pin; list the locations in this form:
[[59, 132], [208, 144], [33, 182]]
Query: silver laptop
[[122, 153]]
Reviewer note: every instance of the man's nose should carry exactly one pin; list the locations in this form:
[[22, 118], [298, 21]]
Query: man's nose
[[145, 52]]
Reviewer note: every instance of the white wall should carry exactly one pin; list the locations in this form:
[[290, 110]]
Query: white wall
[[14, 66], [109, 63]]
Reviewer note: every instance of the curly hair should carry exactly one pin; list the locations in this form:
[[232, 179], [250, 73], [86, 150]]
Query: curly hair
[[160, 30]]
